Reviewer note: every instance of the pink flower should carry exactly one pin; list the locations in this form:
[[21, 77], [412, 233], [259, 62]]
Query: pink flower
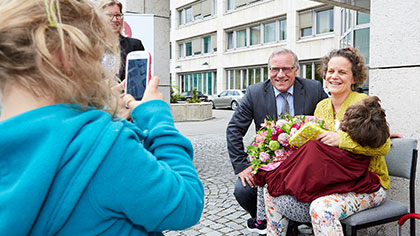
[[293, 131], [264, 156], [279, 123], [296, 126], [311, 119], [260, 138], [284, 139], [264, 125], [279, 153], [278, 130]]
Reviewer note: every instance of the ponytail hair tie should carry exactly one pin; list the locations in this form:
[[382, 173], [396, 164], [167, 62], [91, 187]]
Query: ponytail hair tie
[[51, 10]]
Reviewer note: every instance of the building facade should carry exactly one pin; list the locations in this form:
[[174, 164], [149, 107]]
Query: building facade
[[225, 44]]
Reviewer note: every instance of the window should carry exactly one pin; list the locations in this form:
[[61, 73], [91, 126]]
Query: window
[[305, 21], [243, 77], [181, 17], [362, 18], [238, 79], [214, 42], [266, 32], [187, 87], [233, 4], [188, 49], [197, 11], [361, 41], [308, 70], [224, 94], [282, 30], [188, 15], [251, 77], [244, 80], [200, 82], [324, 19], [230, 40], [270, 32], [181, 50], [258, 76], [255, 35], [241, 38], [198, 46], [355, 31], [209, 83], [207, 44]]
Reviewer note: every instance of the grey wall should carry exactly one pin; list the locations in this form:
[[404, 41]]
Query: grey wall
[[395, 77]]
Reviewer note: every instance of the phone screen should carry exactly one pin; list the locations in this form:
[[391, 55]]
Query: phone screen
[[136, 77]]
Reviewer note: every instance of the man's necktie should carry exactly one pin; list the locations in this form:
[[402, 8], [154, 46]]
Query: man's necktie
[[285, 108]]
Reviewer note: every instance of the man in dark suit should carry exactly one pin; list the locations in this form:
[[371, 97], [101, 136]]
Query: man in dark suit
[[284, 92], [113, 10]]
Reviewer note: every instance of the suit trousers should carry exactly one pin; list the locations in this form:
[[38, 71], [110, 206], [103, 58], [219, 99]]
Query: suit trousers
[[246, 197]]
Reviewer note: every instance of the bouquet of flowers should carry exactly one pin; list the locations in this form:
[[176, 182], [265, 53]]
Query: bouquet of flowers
[[271, 145]]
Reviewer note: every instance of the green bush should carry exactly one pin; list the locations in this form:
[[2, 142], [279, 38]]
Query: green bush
[[175, 97], [194, 98]]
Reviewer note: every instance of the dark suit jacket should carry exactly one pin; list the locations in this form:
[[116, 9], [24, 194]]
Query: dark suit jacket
[[260, 102], [128, 45]]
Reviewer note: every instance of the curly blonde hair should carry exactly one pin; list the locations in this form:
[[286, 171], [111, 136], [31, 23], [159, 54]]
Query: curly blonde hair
[[358, 66], [54, 48]]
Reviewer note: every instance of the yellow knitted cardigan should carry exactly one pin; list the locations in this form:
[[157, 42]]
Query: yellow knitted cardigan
[[325, 111]]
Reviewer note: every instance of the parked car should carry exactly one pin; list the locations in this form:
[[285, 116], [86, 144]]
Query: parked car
[[185, 96], [228, 98]]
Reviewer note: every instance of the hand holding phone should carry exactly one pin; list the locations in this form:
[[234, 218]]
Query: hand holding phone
[[137, 73], [151, 93]]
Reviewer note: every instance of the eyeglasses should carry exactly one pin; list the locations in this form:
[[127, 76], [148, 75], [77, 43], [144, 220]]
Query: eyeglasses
[[285, 70], [117, 16]]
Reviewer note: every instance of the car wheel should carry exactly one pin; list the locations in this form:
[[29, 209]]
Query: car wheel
[[234, 105], [212, 104]]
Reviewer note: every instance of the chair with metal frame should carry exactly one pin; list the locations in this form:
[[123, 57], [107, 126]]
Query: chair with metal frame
[[401, 162]]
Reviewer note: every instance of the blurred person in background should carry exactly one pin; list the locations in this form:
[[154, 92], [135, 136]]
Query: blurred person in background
[[113, 12]]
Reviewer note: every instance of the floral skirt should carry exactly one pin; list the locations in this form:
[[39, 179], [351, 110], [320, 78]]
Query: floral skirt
[[325, 212]]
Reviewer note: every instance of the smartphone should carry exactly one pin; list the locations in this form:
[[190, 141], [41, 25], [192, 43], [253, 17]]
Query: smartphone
[[137, 73]]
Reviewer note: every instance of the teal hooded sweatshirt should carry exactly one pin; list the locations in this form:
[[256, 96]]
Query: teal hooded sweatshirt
[[68, 172]]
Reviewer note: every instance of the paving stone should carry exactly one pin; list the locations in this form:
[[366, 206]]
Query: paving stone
[[222, 215]]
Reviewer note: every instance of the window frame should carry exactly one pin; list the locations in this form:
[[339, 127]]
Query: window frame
[[231, 5], [248, 76], [232, 34], [186, 13], [313, 29], [182, 45], [200, 81]]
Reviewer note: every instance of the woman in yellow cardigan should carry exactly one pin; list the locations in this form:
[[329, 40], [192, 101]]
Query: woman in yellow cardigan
[[343, 70]]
